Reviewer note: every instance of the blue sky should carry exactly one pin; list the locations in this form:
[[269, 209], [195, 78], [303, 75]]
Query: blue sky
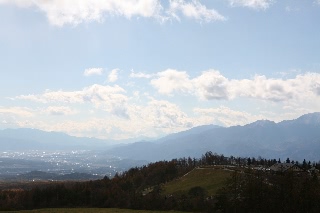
[[119, 69]]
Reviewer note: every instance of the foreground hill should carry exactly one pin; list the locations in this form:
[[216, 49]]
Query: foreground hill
[[210, 179], [211, 184], [296, 139]]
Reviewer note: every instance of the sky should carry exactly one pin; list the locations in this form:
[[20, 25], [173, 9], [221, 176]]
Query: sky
[[118, 69]]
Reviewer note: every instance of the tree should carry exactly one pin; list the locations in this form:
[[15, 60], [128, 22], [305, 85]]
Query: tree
[[304, 164], [254, 161], [249, 161], [309, 165]]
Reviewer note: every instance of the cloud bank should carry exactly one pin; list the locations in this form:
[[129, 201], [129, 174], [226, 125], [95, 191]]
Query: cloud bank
[[59, 110], [61, 12], [69, 12], [17, 111], [226, 116], [212, 85], [108, 98], [120, 112]]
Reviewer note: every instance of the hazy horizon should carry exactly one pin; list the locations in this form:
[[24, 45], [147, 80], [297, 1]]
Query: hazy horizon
[[134, 139]]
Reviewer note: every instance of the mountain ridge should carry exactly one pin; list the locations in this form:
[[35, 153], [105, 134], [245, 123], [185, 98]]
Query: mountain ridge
[[288, 138], [295, 138]]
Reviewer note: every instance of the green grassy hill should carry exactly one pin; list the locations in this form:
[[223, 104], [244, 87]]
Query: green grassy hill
[[210, 178]]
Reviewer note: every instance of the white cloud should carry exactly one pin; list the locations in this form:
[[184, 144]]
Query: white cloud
[[193, 9], [166, 115], [108, 98], [254, 4], [61, 12], [88, 128], [153, 118], [18, 111], [101, 106], [212, 85], [209, 85], [70, 12], [170, 80], [303, 86], [59, 110], [139, 75], [93, 71], [19, 3], [226, 116], [157, 117], [113, 75]]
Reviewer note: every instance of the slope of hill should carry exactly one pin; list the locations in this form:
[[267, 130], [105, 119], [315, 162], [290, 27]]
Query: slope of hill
[[296, 139], [211, 180]]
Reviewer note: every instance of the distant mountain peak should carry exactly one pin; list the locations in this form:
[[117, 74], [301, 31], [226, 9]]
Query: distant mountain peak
[[261, 123], [193, 131], [292, 138], [311, 118]]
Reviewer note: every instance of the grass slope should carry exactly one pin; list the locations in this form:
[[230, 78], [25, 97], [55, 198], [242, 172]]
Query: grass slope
[[210, 179], [90, 210]]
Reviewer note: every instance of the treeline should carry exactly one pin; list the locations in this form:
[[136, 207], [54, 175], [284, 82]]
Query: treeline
[[210, 158], [141, 188], [127, 190], [257, 191]]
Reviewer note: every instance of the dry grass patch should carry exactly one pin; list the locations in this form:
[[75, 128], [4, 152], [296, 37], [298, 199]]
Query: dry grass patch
[[208, 178]]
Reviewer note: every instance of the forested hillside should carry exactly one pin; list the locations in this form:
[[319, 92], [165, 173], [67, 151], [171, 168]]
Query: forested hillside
[[249, 188]]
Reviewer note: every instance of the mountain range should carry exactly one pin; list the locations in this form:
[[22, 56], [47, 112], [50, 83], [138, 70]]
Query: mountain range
[[297, 139], [33, 139]]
